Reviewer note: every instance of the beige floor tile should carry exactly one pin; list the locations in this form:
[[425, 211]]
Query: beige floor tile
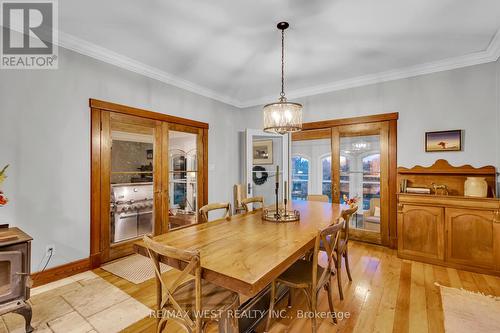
[[46, 296], [124, 314], [42, 313], [95, 296], [16, 325], [41, 329], [71, 322], [84, 276], [50, 286]]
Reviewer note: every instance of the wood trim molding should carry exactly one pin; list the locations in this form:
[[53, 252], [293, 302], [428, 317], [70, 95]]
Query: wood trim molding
[[324, 133], [108, 106], [60, 272], [444, 167], [350, 121]]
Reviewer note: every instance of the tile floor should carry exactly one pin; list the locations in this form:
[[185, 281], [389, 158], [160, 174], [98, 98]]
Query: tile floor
[[81, 303]]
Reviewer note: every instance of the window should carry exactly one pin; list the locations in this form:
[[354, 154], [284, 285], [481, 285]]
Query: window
[[371, 179], [326, 176], [300, 177]]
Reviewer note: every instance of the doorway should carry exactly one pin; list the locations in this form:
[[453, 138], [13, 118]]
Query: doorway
[[266, 157], [351, 158], [148, 176], [360, 171]]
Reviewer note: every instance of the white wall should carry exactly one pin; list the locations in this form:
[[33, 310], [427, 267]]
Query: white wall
[[459, 99], [45, 136]]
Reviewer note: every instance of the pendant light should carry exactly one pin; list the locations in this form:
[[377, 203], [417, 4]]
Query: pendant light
[[282, 116]]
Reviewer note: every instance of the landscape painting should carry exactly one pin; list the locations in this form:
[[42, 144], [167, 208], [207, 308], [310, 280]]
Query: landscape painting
[[443, 141], [263, 152]]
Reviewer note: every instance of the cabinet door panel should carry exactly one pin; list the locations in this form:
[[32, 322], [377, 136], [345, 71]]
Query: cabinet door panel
[[421, 231], [471, 237]]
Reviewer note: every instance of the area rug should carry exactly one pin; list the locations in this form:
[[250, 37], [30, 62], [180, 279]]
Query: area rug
[[134, 268], [81, 303], [467, 311]]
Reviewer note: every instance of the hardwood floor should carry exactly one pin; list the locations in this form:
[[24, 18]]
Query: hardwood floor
[[387, 294]]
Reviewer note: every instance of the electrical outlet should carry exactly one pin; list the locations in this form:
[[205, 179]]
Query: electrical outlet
[[50, 249]]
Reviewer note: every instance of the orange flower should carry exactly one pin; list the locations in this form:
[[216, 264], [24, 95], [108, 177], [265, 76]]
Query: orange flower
[[3, 199]]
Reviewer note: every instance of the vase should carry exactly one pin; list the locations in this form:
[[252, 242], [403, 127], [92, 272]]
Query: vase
[[476, 187]]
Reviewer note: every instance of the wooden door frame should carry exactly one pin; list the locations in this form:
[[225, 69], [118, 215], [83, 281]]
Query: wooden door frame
[[375, 128], [320, 129], [99, 118]]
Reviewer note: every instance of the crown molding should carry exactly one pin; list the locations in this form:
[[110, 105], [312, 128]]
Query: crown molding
[[92, 50], [491, 54]]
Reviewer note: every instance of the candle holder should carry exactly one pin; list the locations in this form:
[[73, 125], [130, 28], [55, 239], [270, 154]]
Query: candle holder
[[280, 214]]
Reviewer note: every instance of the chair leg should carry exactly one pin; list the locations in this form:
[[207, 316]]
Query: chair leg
[[228, 324], [161, 324], [271, 305], [339, 274], [328, 288], [346, 256], [314, 300], [289, 298]]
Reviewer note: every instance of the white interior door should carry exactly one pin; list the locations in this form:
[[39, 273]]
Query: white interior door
[[264, 152]]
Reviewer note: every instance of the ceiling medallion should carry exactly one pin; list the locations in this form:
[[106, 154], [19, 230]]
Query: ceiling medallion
[[282, 117]]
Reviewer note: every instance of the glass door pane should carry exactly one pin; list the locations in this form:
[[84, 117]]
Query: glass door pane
[[131, 178], [182, 178], [311, 168], [360, 178]]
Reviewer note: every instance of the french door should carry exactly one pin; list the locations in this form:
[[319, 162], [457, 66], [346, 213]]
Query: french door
[[360, 170], [148, 176], [343, 162]]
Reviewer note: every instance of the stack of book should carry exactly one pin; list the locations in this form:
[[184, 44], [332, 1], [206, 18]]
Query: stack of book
[[418, 190]]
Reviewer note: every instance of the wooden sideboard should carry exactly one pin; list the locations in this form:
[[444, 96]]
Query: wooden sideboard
[[450, 230]]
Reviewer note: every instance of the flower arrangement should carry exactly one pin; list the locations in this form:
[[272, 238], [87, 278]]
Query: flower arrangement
[[350, 201], [3, 176]]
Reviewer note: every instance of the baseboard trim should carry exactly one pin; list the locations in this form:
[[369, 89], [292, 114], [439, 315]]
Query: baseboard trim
[[60, 272]]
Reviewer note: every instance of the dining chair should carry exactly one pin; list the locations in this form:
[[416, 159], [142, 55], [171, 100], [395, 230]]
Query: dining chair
[[185, 302], [309, 276], [245, 203], [215, 206], [342, 249], [238, 195], [318, 197]]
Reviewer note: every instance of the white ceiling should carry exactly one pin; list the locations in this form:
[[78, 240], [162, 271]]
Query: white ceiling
[[230, 49]]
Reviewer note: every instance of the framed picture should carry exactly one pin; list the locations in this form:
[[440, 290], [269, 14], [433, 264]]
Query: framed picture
[[149, 154], [263, 152], [443, 141]]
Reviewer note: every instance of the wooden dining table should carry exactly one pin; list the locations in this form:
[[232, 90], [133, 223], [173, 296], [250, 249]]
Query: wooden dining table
[[245, 254]]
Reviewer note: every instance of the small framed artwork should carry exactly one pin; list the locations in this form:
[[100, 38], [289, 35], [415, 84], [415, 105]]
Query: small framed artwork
[[263, 152], [443, 141], [149, 154]]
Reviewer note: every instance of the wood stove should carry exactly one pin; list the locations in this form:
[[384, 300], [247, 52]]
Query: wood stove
[[15, 255]]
